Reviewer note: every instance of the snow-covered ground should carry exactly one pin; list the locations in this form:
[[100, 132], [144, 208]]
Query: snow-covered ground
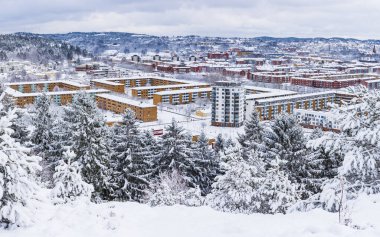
[[194, 125], [139, 220]]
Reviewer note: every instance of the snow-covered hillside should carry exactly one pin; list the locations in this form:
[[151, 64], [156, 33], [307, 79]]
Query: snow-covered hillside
[[138, 220]]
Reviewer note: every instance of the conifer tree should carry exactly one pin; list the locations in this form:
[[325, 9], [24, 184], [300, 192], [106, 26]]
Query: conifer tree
[[43, 121], [323, 160], [285, 141], [17, 184], [131, 160], [358, 144], [21, 133], [89, 144], [219, 144], [176, 153], [206, 163], [252, 136], [229, 143]]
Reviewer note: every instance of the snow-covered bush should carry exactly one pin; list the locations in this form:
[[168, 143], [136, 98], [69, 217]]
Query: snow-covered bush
[[235, 190], [68, 183], [277, 193], [171, 189]]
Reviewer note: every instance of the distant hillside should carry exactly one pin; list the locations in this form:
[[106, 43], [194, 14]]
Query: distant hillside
[[98, 42], [36, 49]]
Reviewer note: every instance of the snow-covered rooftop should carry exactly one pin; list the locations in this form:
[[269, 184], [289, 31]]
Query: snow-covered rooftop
[[297, 96], [184, 91], [169, 86], [125, 100], [16, 93], [73, 83]]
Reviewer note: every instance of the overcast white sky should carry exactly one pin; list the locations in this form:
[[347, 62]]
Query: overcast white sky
[[246, 18]]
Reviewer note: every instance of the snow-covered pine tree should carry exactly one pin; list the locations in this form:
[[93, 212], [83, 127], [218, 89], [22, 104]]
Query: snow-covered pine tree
[[21, 133], [236, 190], [219, 143], [17, 182], [47, 137], [361, 130], [229, 143], [315, 134], [68, 123], [171, 188], [131, 160], [68, 183], [145, 154], [252, 136], [149, 149], [177, 153], [284, 140], [206, 163], [7, 103], [277, 193], [89, 131], [43, 121], [324, 158], [359, 144]]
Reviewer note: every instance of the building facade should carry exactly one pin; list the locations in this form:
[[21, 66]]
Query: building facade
[[143, 111], [176, 97], [228, 101]]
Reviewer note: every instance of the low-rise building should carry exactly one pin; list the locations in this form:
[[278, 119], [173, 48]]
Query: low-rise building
[[269, 108], [143, 111], [57, 97], [181, 96], [324, 120], [148, 91], [61, 92], [109, 85], [333, 81]]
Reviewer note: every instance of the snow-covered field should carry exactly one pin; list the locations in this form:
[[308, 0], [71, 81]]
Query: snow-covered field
[[138, 220]]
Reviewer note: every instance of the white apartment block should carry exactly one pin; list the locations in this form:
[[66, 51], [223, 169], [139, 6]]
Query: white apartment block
[[228, 100]]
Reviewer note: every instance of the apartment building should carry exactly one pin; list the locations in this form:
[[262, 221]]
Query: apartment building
[[143, 111], [58, 97], [371, 84], [270, 107], [140, 81], [45, 86], [109, 85], [148, 91], [270, 77], [236, 71], [228, 101], [324, 120], [251, 61], [218, 55], [333, 81], [61, 92], [181, 96]]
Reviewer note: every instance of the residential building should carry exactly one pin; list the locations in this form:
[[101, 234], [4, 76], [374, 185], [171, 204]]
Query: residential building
[[181, 96], [228, 100], [143, 111]]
